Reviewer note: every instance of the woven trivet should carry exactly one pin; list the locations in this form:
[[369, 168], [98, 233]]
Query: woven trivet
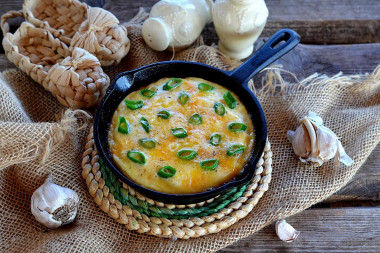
[[145, 215]]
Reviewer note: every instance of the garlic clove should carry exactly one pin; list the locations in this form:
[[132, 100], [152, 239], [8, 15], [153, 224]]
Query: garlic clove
[[312, 116], [342, 156], [312, 142], [53, 205], [285, 231], [300, 141], [326, 143]]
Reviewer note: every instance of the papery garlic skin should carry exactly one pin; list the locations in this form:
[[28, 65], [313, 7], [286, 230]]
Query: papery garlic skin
[[285, 231], [53, 205], [315, 143]]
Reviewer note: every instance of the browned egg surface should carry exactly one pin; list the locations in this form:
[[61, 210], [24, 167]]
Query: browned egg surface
[[190, 176]]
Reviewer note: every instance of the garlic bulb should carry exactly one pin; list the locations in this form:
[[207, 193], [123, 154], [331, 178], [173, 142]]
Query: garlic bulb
[[54, 205], [315, 143], [285, 231]]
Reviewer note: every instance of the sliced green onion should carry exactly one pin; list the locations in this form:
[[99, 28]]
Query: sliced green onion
[[235, 149], [123, 125], [179, 132], [148, 143], [147, 93], [230, 100], [172, 83], [145, 124], [166, 172], [134, 104], [136, 157], [195, 119], [215, 139], [205, 87], [187, 154], [183, 98], [219, 108], [237, 127], [209, 164], [163, 114]]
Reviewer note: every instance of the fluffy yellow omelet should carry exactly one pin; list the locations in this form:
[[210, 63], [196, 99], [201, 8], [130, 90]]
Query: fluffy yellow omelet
[[189, 176]]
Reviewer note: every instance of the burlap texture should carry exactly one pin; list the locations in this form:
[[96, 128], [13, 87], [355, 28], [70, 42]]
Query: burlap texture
[[37, 138]]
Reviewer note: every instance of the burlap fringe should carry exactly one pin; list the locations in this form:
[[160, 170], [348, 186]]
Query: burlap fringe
[[138, 19], [40, 149], [273, 83]]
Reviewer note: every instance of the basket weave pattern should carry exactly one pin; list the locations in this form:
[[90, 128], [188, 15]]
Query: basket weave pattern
[[34, 50], [101, 35], [162, 226], [60, 17]]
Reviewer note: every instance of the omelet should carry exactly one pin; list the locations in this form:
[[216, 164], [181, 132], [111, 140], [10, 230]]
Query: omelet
[[181, 135]]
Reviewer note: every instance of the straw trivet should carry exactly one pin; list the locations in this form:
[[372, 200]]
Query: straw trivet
[[145, 215]]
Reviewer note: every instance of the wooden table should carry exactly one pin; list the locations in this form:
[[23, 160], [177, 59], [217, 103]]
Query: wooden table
[[341, 35]]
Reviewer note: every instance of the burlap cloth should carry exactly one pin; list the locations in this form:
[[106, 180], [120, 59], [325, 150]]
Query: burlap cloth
[[38, 137]]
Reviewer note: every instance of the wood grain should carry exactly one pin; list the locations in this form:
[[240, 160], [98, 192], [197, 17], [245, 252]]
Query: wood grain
[[366, 183], [322, 230], [305, 60], [322, 22], [325, 21]]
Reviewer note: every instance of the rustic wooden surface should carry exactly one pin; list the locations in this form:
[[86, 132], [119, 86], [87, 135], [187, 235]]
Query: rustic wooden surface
[[348, 221]]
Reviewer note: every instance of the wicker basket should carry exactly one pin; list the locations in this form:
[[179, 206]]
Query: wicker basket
[[74, 78], [60, 17]]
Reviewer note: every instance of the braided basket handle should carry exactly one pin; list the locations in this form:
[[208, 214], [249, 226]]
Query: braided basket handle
[[6, 16]]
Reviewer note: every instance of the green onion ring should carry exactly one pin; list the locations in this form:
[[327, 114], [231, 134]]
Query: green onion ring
[[235, 149], [147, 143], [210, 164], [219, 108], [133, 105], [187, 154], [205, 87], [166, 172], [172, 83], [147, 93], [237, 127], [136, 157], [123, 125], [183, 98], [179, 132], [230, 100], [215, 139], [164, 114], [145, 124], [195, 119]]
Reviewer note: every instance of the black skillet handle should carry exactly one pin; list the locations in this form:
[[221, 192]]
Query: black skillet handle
[[266, 55]]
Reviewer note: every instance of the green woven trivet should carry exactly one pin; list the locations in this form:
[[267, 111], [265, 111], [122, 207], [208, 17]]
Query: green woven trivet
[[145, 215], [125, 198]]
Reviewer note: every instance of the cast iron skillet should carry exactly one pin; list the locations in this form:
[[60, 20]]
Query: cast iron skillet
[[235, 81]]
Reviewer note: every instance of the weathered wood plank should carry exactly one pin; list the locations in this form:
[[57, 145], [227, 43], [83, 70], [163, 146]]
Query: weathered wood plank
[[323, 9], [366, 183], [322, 230], [5, 63], [322, 22], [305, 60], [326, 22]]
